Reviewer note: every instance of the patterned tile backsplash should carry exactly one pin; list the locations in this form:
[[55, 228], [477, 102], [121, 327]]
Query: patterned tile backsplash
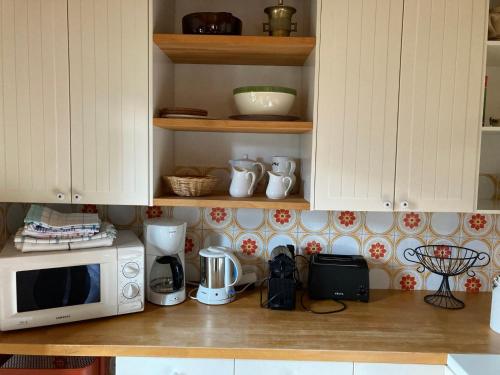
[[380, 237]]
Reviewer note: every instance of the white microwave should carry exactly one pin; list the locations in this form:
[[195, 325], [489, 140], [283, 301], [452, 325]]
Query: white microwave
[[45, 288]]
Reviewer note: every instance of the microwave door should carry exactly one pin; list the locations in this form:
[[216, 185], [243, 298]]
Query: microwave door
[[58, 287]]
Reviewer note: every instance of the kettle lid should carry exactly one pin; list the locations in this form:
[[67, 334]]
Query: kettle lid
[[214, 252], [243, 160]]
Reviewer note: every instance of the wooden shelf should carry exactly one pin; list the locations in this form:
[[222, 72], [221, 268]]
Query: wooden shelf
[[235, 126], [235, 50], [490, 129], [226, 201]]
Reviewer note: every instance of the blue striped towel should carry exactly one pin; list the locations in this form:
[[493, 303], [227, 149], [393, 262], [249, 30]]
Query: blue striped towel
[[43, 219]]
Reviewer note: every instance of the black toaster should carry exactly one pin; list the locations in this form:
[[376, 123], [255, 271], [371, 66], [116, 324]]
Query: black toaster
[[339, 277]]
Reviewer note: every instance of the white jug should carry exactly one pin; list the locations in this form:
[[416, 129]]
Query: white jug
[[279, 185], [286, 166], [251, 165], [243, 183]]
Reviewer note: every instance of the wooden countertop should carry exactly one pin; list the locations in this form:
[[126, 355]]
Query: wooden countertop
[[395, 327]]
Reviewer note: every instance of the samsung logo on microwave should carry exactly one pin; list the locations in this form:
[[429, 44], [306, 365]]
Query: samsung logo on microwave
[[63, 317]]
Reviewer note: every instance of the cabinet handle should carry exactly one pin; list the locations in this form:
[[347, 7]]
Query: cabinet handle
[[387, 204], [61, 196], [77, 197], [405, 204]]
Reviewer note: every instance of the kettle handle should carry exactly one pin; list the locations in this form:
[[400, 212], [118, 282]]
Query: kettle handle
[[237, 265], [262, 171], [253, 179]]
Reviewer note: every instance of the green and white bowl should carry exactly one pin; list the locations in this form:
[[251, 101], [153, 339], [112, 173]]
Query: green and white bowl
[[264, 100]]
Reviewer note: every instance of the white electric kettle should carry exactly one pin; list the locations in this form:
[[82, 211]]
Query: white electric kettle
[[220, 271]]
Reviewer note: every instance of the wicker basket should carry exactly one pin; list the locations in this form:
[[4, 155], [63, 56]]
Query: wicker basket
[[191, 186]]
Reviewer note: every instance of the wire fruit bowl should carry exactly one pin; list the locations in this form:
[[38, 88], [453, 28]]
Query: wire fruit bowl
[[446, 260]]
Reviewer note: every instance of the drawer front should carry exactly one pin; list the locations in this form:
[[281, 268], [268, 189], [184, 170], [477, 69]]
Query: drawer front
[[173, 366], [251, 367]]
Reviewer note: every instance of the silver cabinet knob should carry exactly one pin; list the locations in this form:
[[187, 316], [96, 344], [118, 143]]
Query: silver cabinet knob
[[388, 204], [77, 197], [405, 204], [60, 196]]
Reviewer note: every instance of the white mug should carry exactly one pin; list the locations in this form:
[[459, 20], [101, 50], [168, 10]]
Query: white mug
[[279, 185], [243, 183], [284, 165]]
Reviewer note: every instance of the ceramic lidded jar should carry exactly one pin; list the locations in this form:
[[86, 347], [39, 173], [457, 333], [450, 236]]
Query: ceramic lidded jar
[[251, 165]]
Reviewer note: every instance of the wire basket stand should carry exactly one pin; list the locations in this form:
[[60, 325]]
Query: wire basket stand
[[446, 260]]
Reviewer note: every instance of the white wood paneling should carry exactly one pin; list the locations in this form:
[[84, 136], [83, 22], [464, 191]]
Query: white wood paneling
[[252, 367], [173, 366], [109, 76], [34, 102], [358, 104], [440, 104]]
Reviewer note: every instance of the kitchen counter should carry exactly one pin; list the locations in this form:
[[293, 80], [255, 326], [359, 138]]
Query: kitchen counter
[[395, 327]]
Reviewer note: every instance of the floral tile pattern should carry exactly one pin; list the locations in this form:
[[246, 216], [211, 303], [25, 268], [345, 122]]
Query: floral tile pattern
[[381, 237]]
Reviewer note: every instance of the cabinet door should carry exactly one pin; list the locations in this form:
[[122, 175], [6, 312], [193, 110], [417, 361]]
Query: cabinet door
[[358, 104], [440, 104], [252, 367], [109, 64], [34, 102], [173, 366], [394, 369]]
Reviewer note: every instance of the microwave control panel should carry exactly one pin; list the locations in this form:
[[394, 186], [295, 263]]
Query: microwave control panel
[[130, 279]]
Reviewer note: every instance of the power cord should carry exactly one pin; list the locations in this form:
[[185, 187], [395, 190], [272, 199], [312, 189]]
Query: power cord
[[190, 294], [342, 304], [192, 291]]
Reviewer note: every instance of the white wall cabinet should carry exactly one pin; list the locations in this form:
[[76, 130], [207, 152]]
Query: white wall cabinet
[[358, 104], [74, 101], [252, 367], [442, 74], [109, 80], [182, 366], [173, 366], [397, 369], [34, 102], [399, 106]]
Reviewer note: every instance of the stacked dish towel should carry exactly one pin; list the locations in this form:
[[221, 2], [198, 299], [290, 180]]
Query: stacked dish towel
[[47, 230]]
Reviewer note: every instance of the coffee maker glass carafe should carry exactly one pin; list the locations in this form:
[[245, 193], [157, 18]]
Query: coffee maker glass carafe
[[167, 275]]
